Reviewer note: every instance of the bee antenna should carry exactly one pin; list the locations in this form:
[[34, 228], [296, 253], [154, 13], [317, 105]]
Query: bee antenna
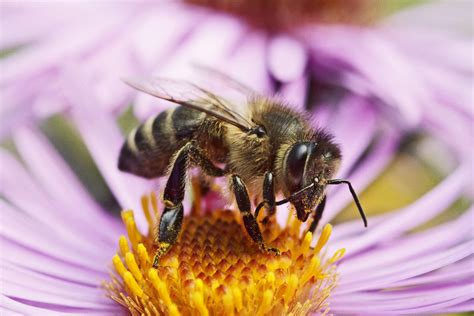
[[354, 196]]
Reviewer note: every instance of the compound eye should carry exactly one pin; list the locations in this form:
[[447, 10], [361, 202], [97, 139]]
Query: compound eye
[[295, 164]]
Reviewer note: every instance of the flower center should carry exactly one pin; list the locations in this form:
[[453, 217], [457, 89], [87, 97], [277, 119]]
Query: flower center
[[215, 269], [274, 15]]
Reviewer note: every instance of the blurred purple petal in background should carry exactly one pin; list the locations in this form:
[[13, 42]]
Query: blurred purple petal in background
[[372, 85]]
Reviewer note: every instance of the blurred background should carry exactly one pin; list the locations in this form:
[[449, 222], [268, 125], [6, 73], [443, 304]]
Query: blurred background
[[410, 62]]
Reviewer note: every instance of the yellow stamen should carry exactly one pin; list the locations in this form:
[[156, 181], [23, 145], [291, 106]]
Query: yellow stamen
[[215, 269], [132, 231], [237, 294], [228, 302], [291, 288], [146, 210], [142, 255], [198, 300], [337, 255], [118, 264], [154, 204], [132, 284], [265, 306], [323, 239], [160, 286], [123, 245], [133, 267]]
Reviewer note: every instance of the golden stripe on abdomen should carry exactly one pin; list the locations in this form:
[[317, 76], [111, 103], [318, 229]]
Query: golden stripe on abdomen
[[149, 148]]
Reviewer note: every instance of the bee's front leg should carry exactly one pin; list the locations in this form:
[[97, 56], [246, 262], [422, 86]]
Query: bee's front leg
[[318, 213], [251, 225], [268, 198]]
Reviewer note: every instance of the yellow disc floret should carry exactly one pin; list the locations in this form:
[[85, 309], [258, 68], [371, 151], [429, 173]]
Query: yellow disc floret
[[215, 269]]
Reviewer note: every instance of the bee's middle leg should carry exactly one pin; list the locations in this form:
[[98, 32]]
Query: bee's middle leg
[[250, 222], [172, 218], [268, 198]]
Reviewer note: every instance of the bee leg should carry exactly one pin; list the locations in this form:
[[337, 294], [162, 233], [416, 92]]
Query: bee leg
[[251, 225], [268, 198], [318, 213], [172, 218], [169, 229], [199, 159]]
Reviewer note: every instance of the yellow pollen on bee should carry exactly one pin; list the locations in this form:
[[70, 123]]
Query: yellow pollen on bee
[[215, 269]]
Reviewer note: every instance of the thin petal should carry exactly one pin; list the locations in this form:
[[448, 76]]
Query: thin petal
[[386, 277], [61, 184], [27, 307], [366, 172], [21, 283], [287, 58], [23, 191], [19, 228], [417, 213], [195, 50], [34, 260], [402, 250]]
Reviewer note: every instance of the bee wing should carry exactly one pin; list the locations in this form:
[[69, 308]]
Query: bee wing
[[192, 96], [224, 80]]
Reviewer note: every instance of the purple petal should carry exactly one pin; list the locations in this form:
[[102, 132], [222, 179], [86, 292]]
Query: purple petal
[[465, 306], [353, 142], [350, 58], [33, 260], [28, 307], [287, 58], [195, 50], [20, 189], [404, 270], [417, 213], [428, 303], [36, 21], [21, 283], [61, 184], [104, 140], [295, 93], [67, 44], [364, 175], [29, 233], [401, 250], [454, 273]]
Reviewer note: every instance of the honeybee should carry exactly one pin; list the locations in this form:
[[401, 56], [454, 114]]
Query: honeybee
[[266, 148]]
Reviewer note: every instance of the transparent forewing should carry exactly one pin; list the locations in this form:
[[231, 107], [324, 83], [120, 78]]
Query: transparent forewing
[[193, 96], [217, 80]]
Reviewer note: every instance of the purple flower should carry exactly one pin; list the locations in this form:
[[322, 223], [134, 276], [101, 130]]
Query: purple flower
[[369, 85]]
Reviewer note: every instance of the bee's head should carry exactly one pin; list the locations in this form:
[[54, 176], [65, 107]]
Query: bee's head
[[306, 163]]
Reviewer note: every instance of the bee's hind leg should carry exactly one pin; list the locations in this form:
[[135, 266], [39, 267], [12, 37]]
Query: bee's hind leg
[[250, 221], [268, 198], [172, 218]]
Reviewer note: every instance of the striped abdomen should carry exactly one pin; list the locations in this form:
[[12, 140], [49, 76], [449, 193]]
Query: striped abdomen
[[150, 146]]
